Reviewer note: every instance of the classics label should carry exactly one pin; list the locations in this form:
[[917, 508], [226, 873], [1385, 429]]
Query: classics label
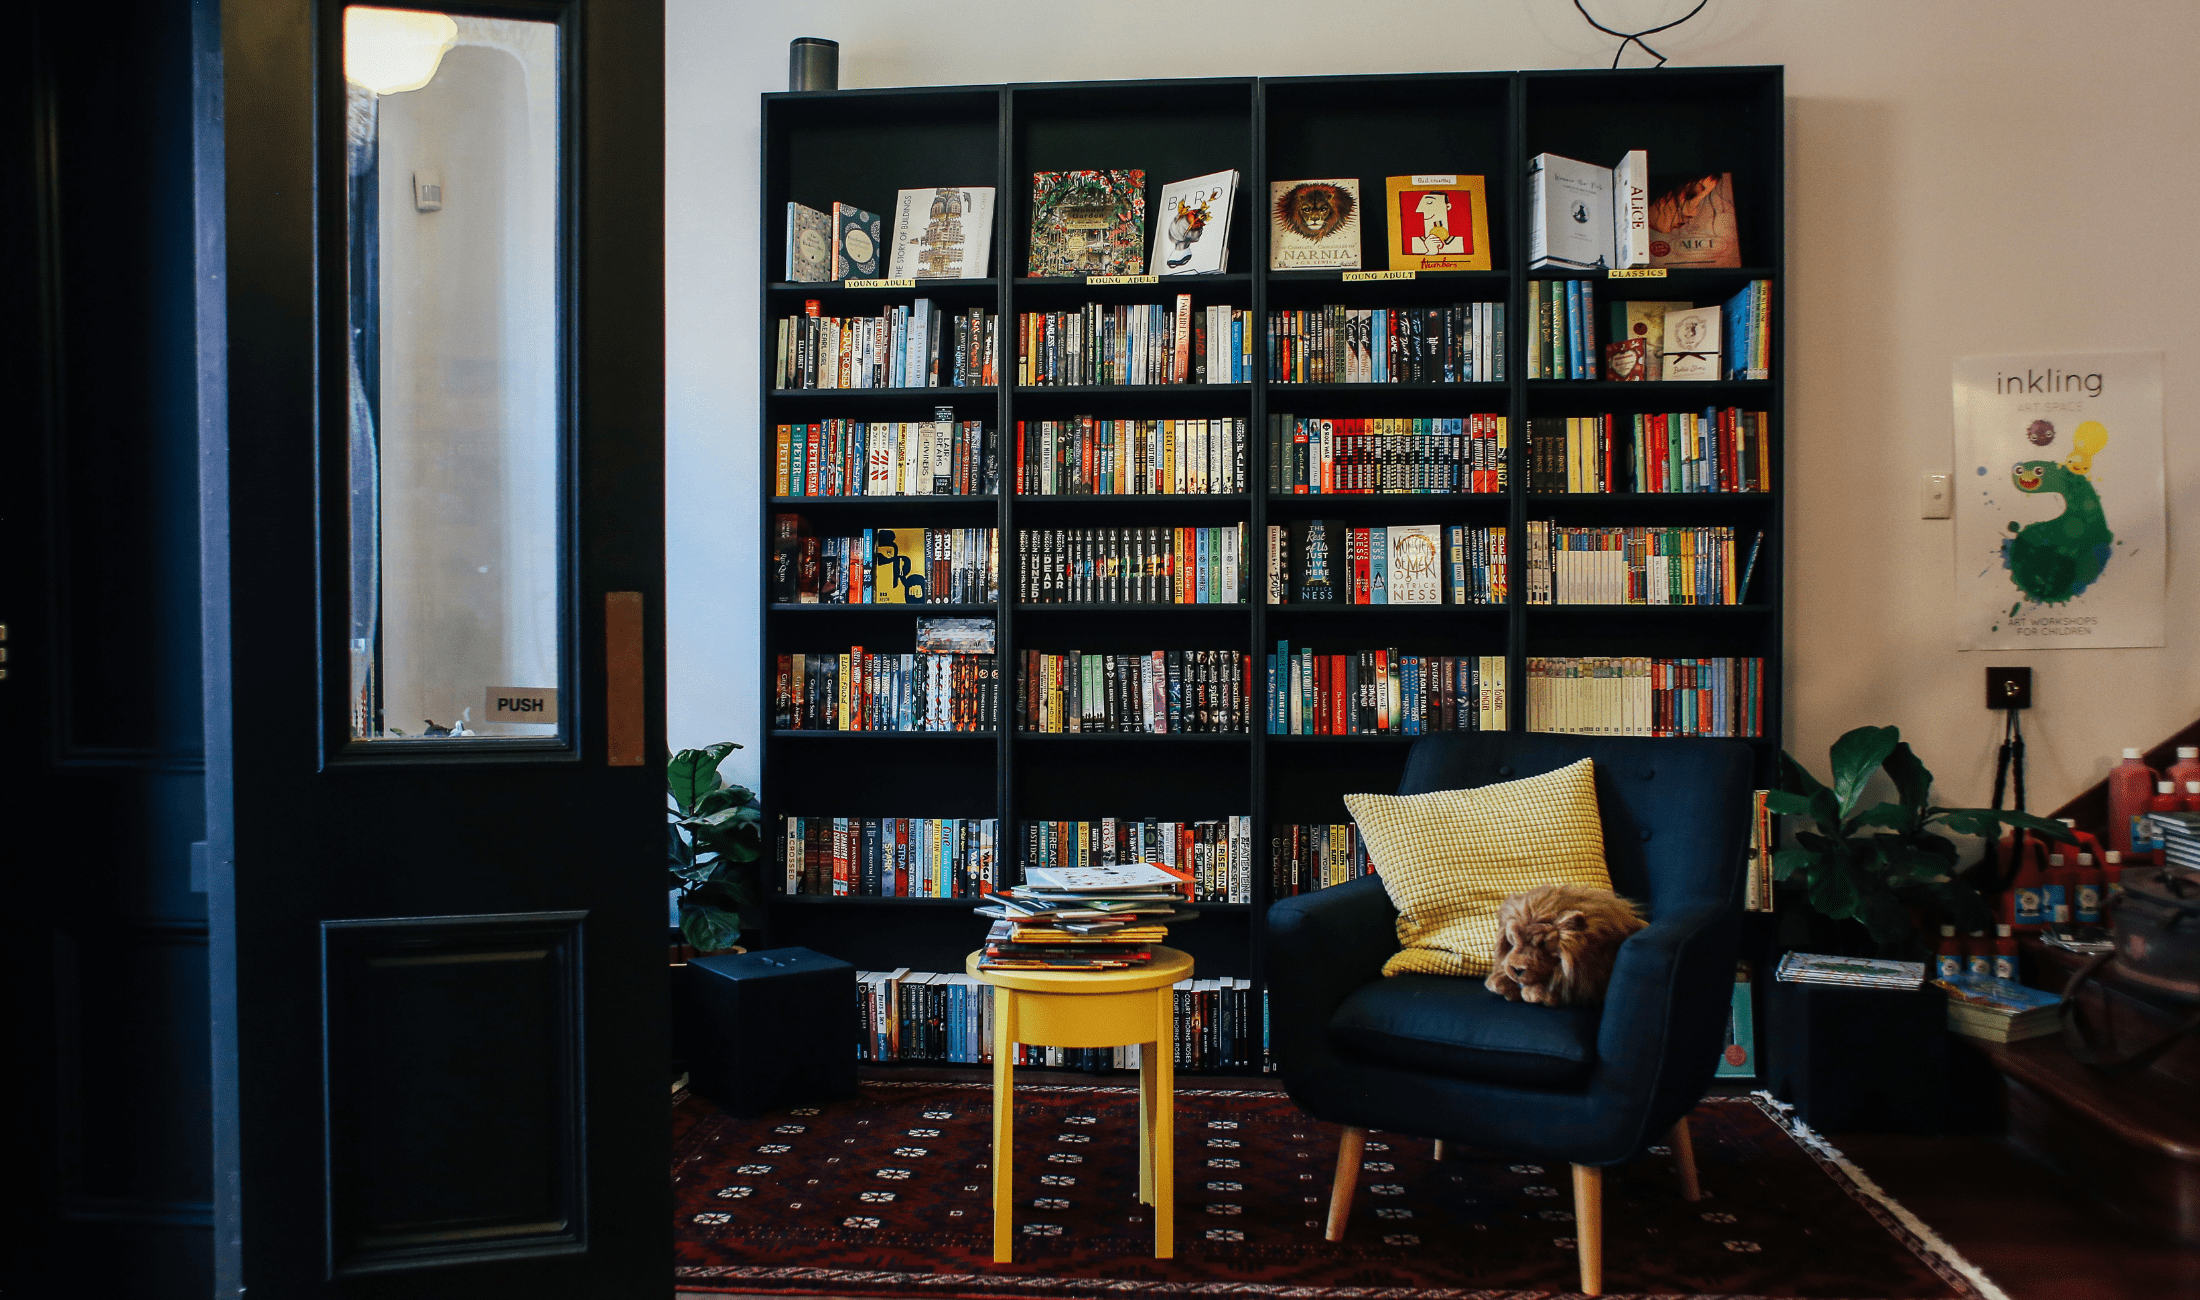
[[1636, 273]]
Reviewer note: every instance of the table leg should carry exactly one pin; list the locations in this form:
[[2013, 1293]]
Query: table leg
[[1164, 1127], [1004, 1111], [1146, 1111]]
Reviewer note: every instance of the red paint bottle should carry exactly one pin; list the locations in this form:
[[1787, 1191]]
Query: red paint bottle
[[2186, 768], [1978, 954], [1948, 958], [2025, 904], [2166, 799], [2005, 954], [2130, 785]]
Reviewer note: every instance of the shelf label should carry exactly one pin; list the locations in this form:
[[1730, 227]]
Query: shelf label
[[1122, 279], [1636, 273], [1356, 277], [878, 284]]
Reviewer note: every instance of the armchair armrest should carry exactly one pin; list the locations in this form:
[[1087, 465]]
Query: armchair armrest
[[1665, 1011], [1322, 946]]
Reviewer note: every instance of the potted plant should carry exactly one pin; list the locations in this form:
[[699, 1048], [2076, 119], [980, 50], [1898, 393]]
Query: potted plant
[[716, 837], [1872, 875]]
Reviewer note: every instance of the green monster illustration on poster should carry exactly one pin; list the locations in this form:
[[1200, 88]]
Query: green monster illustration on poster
[[2060, 542]]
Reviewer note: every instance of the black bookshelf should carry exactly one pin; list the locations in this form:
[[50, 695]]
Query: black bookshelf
[[861, 146]]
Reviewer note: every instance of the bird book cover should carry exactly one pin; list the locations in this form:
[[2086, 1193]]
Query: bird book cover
[[1314, 225], [1438, 223], [1191, 223], [2060, 538], [1088, 223]]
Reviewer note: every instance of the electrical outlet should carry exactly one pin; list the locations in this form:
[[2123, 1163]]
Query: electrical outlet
[[2008, 688], [1936, 499]]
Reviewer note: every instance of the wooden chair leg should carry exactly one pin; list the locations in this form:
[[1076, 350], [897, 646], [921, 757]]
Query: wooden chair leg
[[1684, 1161], [1589, 1226], [1439, 1149], [1349, 1149]]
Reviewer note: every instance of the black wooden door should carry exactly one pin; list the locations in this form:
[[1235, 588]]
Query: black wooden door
[[438, 979]]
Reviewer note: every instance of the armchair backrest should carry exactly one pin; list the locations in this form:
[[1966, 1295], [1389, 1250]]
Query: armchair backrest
[[1675, 812]]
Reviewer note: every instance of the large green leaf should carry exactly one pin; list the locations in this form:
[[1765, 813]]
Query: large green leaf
[[1795, 778], [1787, 862], [1788, 803], [710, 929], [1893, 816], [1856, 756], [693, 773], [1886, 918], [1986, 823], [1834, 893], [1911, 781]]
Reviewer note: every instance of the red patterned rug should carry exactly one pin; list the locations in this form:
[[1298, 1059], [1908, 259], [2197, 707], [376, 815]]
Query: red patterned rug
[[888, 1194]]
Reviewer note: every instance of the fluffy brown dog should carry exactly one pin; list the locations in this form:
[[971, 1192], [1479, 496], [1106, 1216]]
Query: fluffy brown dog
[[1556, 944]]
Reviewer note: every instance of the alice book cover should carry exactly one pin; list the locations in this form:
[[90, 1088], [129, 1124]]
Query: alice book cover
[[1694, 224], [855, 243], [1088, 223], [809, 245], [1438, 223], [942, 233], [1314, 225], [1192, 226]]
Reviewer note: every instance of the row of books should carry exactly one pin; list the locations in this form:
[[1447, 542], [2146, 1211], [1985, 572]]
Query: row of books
[[1135, 344], [1213, 856], [1582, 216], [1089, 456], [939, 233], [1325, 561], [1636, 565], [1378, 692], [1159, 692], [1134, 566], [1462, 343], [854, 690], [884, 566], [1304, 857], [1715, 450], [849, 458], [1446, 454], [888, 857], [905, 1015], [921, 345], [1764, 839], [1637, 695]]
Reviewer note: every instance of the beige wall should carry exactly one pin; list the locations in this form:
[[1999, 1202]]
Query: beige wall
[[1963, 179]]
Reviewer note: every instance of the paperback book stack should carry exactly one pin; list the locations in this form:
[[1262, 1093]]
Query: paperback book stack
[[1999, 1011], [1082, 918], [1851, 972], [2180, 835]]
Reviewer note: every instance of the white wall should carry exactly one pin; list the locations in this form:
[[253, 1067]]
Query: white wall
[[1963, 179]]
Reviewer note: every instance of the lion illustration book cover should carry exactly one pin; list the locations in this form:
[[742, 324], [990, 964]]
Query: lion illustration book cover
[[1192, 226], [942, 233], [1438, 223], [1314, 225], [1088, 223]]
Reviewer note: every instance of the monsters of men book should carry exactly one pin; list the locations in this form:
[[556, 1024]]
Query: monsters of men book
[[1314, 225], [1088, 223], [943, 233], [855, 243], [809, 245], [1438, 223]]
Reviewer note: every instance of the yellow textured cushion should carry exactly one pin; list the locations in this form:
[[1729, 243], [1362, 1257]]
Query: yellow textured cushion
[[1450, 858]]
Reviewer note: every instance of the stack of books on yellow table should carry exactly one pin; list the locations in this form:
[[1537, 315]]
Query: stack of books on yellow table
[[1082, 918]]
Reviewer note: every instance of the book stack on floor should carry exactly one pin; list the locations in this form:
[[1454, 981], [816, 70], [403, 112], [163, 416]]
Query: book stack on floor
[[1999, 1011], [1083, 918], [1851, 972]]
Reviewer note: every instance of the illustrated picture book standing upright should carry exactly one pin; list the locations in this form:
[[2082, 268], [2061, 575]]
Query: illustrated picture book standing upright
[[1314, 225], [1088, 223], [1438, 223], [943, 233]]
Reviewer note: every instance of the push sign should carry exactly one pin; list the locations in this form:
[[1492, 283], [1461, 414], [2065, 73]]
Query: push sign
[[520, 704]]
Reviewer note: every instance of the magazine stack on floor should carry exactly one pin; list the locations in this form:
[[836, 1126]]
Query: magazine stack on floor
[[1106, 917], [1851, 972]]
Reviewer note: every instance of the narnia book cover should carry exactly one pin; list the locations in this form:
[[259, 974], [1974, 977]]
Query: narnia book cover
[[1694, 224], [1438, 223], [1088, 223], [1314, 225]]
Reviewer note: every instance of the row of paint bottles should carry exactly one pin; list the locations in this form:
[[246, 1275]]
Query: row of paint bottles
[[2063, 894], [1976, 956]]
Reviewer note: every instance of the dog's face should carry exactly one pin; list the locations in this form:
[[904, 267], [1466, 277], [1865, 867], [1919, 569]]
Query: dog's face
[[1536, 951]]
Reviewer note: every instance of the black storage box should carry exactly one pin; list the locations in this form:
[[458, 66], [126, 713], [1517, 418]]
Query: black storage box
[[771, 1029]]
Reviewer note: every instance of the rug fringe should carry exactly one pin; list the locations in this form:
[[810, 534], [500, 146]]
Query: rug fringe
[[1783, 1114]]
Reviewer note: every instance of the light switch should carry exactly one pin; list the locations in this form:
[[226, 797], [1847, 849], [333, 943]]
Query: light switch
[[1934, 497]]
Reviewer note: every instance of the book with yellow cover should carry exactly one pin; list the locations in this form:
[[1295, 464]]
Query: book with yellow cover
[[1438, 223]]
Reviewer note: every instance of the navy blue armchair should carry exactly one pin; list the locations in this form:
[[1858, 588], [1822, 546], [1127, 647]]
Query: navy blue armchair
[[1444, 1058]]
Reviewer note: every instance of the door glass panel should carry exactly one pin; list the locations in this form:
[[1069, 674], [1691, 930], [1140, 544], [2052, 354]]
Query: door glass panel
[[455, 481]]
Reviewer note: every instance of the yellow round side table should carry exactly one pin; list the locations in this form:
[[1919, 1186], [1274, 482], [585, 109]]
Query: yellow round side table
[[1052, 1008]]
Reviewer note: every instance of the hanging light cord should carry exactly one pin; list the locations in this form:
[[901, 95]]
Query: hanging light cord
[[1635, 38]]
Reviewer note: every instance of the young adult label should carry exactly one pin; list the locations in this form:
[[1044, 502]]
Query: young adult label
[[520, 704], [1122, 279], [1355, 277], [878, 284]]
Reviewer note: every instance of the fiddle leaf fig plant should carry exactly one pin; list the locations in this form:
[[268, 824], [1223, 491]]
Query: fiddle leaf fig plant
[[717, 837], [1874, 864]]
